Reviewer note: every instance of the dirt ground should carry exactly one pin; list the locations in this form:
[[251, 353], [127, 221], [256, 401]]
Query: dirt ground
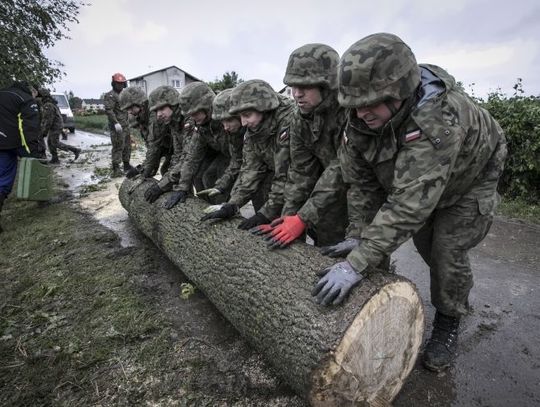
[[91, 313]]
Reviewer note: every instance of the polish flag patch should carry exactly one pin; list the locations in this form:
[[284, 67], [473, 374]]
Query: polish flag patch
[[284, 135], [413, 135]]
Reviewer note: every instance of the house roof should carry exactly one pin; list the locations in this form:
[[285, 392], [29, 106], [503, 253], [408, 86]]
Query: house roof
[[164, 69], [93, 101]]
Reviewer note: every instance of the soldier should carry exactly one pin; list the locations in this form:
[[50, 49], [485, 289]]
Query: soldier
[[118, 125], [19, 132], [134, 101], [315, 138], [212, 160], [52, 126], [267, 117], [235, 134], [423, 161], [170, 139]]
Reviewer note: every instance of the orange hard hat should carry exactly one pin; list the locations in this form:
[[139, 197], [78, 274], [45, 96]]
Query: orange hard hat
[[118, 77]]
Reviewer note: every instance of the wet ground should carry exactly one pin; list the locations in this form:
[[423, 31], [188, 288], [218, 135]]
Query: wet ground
[[499, 353]]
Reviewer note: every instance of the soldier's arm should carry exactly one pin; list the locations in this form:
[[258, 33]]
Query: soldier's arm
[[180, 145], [252, 173], [274, 205], [47, 118], [191, 162], [235, 163], [156, 132], [109, 102], [30, 122], [420, 177]]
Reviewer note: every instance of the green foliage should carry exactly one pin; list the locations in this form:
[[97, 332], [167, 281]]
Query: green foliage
[[519, 116], [229, 80], [95, 123], [27, 27], [75, 102]]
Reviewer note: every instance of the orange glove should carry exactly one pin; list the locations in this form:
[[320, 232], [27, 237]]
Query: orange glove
[[284, 231]]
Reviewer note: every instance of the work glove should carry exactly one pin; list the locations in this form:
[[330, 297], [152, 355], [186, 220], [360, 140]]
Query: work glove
[[284, 231], [342, 249], [133, 172], [118, 127], [335, 284], [255, 220], [153, 193], [174, 198], [210, 192], [225, 211]]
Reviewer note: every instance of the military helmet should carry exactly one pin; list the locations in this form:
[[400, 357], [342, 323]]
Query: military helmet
[[44, 93], [312, 64], [163, 96], [377, 68], [196, 96], [254, 94], [133, 95], [221, 105]]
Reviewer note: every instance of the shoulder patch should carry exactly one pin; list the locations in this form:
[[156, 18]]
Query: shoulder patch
[[413, 135], [284, 135], [344, 139]]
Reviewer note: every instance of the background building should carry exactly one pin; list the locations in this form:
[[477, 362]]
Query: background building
[[172, 76]]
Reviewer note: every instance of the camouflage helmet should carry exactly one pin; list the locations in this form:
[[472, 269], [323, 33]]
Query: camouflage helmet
[[133, 95], [44, 93], [163, 96], [196, 96], [377, 68], [221, 105], [312, 64], [254, 94]]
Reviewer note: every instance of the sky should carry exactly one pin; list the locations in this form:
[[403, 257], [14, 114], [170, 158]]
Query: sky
[[484, 44]]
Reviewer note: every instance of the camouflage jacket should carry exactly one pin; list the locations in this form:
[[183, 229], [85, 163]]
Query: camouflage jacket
[[434, 151], [111, 100], [144, 121], [182, 133], [266, 150], [315, 140], [211, 135], [51, 118]]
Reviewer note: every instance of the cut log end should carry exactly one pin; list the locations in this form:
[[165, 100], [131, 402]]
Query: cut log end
[[376, 353]]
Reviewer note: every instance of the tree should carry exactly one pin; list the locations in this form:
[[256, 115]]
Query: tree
[[27, 28], [229, 80], [75, 102]]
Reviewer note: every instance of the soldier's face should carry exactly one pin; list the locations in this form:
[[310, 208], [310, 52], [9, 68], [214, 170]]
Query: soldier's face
[[231, 125], [251, 118], [376, 116], [199, 117], [307, 97], [134, 110], [164, 114]]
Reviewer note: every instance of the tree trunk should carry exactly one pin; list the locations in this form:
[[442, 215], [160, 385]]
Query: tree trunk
[[356, 354]]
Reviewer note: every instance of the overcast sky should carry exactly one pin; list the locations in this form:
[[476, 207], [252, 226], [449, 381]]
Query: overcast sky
[[488, 43]]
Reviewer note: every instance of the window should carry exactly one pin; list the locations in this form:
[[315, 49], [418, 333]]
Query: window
[[176, 83]]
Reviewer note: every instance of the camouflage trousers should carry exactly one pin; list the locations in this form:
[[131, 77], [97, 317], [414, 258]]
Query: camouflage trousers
[[332, 227], [446, 238], [54, 143], [121, 146]]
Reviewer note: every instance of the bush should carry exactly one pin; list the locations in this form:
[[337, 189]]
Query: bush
[[93, 122], [519, 116]]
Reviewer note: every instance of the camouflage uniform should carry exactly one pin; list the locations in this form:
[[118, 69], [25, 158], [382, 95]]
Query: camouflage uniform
[[315, 140], [52, 125], [430, 173], [266, 149], [121, 142], [214, 157]]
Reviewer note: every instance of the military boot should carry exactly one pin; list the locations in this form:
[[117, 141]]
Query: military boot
[[116, 171], [54, 160], [76, 151], [441, 348], [127, 166]]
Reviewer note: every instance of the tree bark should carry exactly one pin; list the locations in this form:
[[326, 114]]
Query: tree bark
[[356, 354]]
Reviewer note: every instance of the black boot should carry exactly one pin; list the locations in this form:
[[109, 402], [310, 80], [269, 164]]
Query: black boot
[[441, 348], [76, 151], [116, 171], [54, 160], [127, 166]]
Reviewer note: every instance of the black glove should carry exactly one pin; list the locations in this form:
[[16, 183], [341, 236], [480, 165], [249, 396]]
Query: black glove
[[342, 249], [153, 193], [132, 172], [226, 211], [255, 220], [174, 198], [336, 283]]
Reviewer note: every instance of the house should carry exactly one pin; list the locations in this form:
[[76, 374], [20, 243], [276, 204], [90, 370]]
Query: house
[[286, 91], [92, 104], [172, 76]]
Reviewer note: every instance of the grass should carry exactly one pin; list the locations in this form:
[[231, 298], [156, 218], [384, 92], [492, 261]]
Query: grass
[[94, 123], [520, 209]]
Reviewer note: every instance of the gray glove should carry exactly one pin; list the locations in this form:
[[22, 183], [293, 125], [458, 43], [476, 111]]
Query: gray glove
[[118, 127], [336, 283], [342, 249]]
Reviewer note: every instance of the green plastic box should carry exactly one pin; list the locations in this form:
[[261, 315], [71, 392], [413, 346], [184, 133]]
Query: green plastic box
[[35, 180]]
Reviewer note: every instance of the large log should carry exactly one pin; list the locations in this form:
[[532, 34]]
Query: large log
[[356, 354]]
